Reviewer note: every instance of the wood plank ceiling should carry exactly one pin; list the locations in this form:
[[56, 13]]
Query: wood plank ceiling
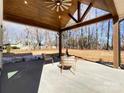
[[36, 13], [119, 4]]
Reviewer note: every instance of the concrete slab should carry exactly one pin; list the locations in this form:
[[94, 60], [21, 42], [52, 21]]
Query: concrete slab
[[89, 78]]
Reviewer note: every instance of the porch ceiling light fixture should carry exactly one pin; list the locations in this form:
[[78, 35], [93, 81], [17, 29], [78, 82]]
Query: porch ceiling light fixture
[[59, 5], [25, 2]]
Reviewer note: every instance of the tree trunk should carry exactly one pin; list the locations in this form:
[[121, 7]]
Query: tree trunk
[[96, 30], [108, 35]]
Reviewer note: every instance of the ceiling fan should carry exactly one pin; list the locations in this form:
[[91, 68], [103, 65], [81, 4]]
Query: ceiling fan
[[59, 5]]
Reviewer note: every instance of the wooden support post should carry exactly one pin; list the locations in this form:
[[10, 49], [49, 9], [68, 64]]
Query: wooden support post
[[60, 44], [116, 45], [1, 32]]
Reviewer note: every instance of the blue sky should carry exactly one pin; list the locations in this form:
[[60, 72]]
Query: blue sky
[[15, 30], [122, 31]]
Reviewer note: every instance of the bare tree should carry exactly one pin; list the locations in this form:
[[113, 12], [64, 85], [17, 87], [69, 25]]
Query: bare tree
[[96, 30], [33, 37], [108, 35], [5, 36]]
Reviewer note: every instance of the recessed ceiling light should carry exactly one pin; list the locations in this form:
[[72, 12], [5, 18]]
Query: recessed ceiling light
[[25, 2], [59, 17], [58, 4]]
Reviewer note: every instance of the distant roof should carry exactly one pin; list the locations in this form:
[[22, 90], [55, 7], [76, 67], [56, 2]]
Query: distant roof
[[36, 13]]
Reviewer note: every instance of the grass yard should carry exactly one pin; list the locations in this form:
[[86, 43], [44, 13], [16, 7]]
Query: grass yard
[[95, 55], [91, 55]]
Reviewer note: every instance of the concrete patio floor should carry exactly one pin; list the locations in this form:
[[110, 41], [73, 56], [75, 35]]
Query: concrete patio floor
[[89, 78]]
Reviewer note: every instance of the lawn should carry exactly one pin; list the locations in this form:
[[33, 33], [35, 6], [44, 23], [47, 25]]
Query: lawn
[[91, 55], [95, 55]]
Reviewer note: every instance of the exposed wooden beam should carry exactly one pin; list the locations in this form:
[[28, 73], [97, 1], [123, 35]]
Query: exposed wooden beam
[[112, 9], [86, 12], [79, 10], [92, 21], [73, 18], [121, 20], [78, 13], [116, 45]]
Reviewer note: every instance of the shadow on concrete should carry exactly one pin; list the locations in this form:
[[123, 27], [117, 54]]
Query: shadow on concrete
[[22, 77], [108, 64]]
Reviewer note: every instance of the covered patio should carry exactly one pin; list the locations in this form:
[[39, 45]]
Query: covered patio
[[88, 77], [36, 13]]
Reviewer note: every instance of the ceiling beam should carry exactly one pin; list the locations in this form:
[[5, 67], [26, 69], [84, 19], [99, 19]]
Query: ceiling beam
[[88, 22], [79, 18], [73, 18], [78, 13], [86, 12], [112, 8], [79, 10]]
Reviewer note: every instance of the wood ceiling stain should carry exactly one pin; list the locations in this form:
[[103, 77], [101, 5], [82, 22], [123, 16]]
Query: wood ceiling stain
[[36, 12]]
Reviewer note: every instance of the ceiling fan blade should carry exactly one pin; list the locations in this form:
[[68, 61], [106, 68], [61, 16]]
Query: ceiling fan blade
[[53, 8], [49, 2], [61, 8], [50, 5], [66, 1], [57, 9], [65, 6]]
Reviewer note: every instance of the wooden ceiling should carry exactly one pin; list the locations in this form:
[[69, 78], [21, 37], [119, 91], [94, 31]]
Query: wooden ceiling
[[36, 13]]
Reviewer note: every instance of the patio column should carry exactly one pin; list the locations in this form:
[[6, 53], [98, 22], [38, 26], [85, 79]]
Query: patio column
[[1, 32], [60, 44], [116, 45]]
